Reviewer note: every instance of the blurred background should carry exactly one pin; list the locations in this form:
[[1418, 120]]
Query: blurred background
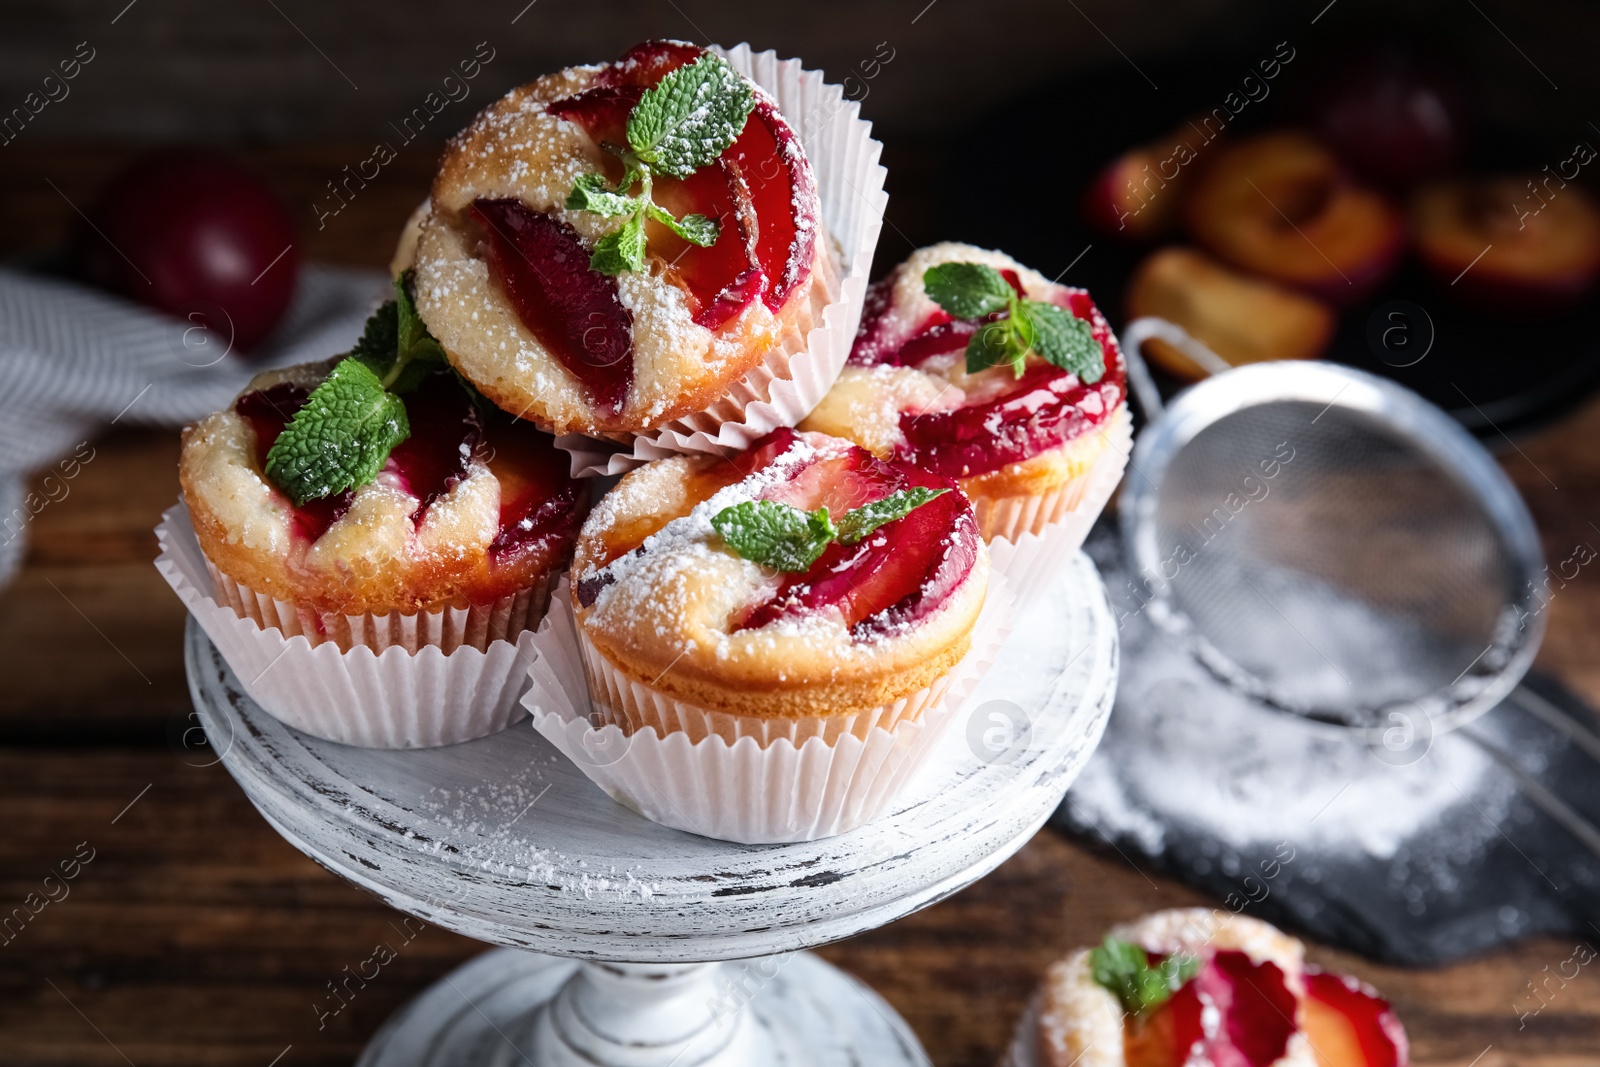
[[969, 101], [270, 72], [1438, 153]]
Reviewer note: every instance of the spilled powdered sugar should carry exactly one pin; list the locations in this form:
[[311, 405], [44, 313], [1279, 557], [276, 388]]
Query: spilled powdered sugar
[[492, 821], [1186, 758]]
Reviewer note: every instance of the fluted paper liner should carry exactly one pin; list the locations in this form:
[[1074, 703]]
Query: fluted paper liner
[[391, 697], [475, 626], [1034, 535], [748, 791], [614, 697], [799, 370]]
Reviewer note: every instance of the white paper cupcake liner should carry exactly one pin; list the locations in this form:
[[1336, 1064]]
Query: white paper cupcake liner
[[616, 698], [1025, 549], [388, 698], [475, 626], [784, 389], [755, 790]]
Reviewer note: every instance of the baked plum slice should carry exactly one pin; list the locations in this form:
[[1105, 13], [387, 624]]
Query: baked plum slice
[[1349, 1025], [1346, 1023], [761, 191], [720, 279], [900, 573], [1014, 418], [1253, 1018], [1004, 419], [576, 313], [539, 498]]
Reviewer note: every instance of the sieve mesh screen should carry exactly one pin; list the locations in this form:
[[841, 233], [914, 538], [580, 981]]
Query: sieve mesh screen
[[1323, 560]]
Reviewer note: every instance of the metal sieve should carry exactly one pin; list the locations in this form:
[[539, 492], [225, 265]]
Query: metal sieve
[[1330, 544]]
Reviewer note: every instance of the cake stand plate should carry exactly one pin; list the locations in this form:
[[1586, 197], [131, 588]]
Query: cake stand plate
[[504, 840]]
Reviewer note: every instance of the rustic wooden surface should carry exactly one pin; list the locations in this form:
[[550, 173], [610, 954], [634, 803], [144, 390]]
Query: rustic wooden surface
[[196, 936]]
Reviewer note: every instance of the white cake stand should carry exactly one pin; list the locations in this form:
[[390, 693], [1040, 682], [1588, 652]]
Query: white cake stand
[[614, 924]]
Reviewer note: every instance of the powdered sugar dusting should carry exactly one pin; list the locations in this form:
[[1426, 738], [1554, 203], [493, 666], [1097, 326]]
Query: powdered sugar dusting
[[517, 149], [1183, 750], [684, 597], [651, 584], [491, 817]]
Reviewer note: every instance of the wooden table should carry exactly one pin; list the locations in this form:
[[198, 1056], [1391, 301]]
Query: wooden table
[[195, 935]]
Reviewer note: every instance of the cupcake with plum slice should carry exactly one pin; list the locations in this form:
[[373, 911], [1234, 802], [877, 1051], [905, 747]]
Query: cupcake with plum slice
[[375, 508], [972, 366], [613, 248], [1196, 986], [802, 612]]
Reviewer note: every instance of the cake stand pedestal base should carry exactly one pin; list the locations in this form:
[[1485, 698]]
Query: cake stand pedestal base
[[512, 1008]]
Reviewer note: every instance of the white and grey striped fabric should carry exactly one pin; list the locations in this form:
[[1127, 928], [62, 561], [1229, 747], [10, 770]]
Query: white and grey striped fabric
[[74, 360]]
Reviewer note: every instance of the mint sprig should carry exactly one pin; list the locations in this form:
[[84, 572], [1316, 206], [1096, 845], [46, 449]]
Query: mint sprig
[[790, 539], [343, 434], [690, 117], [340, 437], [1013, 326], [778, 535], [396, 344], [967, 290], [682, 124], [859, 522], [1125, 969]]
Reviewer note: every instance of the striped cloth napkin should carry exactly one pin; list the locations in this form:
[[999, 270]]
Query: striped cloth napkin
[[74, 360]]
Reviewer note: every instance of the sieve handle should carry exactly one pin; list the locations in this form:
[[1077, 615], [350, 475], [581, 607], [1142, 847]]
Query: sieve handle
[[1563, 814], [1136, 333], [1542, 709]]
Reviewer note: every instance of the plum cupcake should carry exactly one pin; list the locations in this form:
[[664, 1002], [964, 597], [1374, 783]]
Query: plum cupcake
[[972, 366], [375, 508], [1194, 985], [613, 248], [781, 635]]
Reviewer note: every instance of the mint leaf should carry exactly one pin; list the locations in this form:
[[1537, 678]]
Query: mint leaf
[[591, 192], [696, 229], [1004, 342], [974, 291], [967, 290], [396, 344], [774, 534], [1124, 969], [1065, 340], [857, 523], [682, 124], [379, 338], [621, 249], [340, 437], [690, 117], [1179, 968], [785, 537], [417, 353]]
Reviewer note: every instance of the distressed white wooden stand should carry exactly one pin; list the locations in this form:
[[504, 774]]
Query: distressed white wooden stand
[[613, 925]]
